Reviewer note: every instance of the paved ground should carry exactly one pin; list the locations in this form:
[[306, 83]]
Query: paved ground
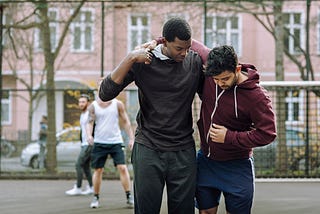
[[47, 197]]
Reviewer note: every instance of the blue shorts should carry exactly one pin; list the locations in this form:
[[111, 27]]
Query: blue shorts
[[101, 151], [234, 178]]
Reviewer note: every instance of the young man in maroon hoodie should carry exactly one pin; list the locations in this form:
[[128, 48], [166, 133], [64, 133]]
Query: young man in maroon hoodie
[[236, 116]]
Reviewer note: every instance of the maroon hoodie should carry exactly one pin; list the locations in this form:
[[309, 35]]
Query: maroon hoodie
[[245, 110]]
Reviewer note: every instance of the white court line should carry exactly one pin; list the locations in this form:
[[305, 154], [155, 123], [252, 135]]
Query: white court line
[[257, 180]]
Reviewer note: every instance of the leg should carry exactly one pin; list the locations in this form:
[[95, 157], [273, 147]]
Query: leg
[[76, 190], [97, 179], [79, 167], [86, 165], [42, 155], [207, 195], [99, 155], [209, 211], [181, 180], [207, 199], [240, 189], [124, 177], [148, 179]]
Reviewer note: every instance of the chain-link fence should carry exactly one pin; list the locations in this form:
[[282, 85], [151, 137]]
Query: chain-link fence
[[89, 38], [295, 152]]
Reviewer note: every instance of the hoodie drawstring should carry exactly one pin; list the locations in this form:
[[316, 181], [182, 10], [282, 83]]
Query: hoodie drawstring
[[235, 101], [216, 106], [213, 112]]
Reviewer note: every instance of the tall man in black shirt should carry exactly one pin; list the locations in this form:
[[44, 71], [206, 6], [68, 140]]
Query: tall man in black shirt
[[167, 78]]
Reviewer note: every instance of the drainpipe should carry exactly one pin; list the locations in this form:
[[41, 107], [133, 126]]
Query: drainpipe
[[102, 39]]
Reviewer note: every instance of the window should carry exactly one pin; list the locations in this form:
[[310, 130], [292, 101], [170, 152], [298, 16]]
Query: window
[[318, 111], [318, 33], [293, 39], [132, 104], [7, 20], [223, 30], [294, 106], [82, 31], [53, 25], [138, 30], [6, 108]]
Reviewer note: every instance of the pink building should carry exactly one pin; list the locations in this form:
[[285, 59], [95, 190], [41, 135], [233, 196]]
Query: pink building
[[79, 62]]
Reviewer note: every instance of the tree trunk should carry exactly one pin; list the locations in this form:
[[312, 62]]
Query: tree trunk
[[51, 162], [281, 158]]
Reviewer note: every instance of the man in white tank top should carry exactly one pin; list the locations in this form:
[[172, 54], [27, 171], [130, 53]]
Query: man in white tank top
[[83, 161], [108, 140]]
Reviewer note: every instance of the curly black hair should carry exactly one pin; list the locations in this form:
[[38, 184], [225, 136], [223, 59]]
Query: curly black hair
[[176, 27], [220, 59]]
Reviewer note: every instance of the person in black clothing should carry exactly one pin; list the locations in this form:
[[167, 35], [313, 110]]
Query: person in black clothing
[[43, 141], [167, 78]]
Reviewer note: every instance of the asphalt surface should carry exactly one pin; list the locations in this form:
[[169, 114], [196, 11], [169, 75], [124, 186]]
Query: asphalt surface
[[48, 197]]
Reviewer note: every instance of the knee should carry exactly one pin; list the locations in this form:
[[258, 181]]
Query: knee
[[98, 171], [122, 168]]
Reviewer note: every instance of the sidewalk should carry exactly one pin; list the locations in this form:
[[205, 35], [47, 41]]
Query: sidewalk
[[47, 197]]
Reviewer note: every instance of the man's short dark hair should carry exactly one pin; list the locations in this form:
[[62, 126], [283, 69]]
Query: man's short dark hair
[[85, 96], [176, 27], [220, 59]]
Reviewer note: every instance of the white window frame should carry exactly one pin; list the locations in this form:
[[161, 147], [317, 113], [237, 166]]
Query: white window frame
[[292, 26], [228, 31], [7, 101], [52, 25], [290, 101], [139, 28], [318, 110], [5, 37], [318, 33], [83, 25]]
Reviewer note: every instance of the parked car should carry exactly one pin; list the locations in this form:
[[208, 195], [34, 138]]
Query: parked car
[[265, 157], [68, 148]]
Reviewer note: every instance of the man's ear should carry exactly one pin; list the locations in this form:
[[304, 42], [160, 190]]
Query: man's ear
[[238, 68], [164, 42]]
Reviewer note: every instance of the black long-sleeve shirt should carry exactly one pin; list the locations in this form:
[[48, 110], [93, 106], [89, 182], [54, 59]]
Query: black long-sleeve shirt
[[166, 91]]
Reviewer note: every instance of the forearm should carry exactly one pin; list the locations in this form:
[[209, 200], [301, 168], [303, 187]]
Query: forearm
[[122, 69], [109, 89], [201, 49], [89, 129], [128, 130]]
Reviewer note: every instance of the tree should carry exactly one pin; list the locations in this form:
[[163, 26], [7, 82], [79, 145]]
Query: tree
[[38, 18]]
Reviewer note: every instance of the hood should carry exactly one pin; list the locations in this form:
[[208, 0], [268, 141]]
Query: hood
[[253, 76], [158, 53]]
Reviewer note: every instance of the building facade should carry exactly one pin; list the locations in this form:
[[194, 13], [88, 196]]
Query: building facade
[[102, 33]]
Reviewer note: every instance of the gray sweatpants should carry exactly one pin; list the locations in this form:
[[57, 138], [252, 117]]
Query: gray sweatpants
[[83, 165]]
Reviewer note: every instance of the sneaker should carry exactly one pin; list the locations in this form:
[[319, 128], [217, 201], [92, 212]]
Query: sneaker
[[130, 201], [87, 191], [94, 203], [74, 191]]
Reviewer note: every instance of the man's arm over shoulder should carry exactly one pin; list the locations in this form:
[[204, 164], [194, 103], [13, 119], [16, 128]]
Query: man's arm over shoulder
[[201, 49], [120, 77]]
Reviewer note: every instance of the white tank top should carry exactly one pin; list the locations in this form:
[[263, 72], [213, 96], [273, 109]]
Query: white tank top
[[83, 123], [107, 130]]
